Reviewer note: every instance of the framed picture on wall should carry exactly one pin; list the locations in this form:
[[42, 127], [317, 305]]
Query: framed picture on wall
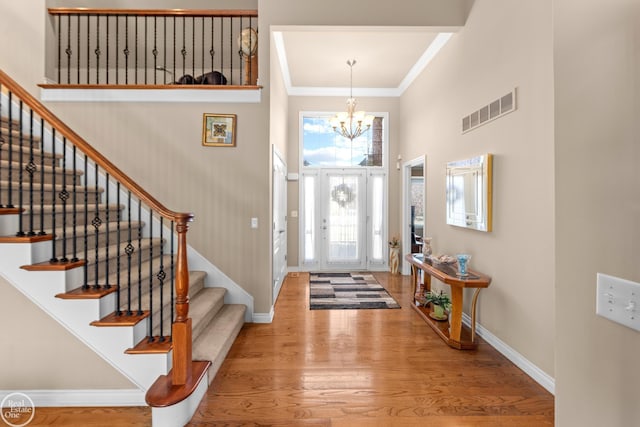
[[219, 130]]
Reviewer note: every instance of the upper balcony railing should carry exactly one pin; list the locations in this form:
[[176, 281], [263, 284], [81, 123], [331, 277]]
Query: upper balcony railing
[[116, 47]]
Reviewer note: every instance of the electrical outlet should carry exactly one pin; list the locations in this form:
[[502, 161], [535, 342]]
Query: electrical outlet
[[618, 300]]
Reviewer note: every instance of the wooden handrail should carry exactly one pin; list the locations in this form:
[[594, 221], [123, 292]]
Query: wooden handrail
[[153, 12], [182, 342], [147, 87], [91, 152]]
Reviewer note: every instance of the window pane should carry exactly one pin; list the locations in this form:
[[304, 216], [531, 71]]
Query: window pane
[[322, 146], [309, 218], [377, 211]]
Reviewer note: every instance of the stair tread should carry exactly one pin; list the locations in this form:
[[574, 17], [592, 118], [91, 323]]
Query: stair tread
[[38, 186], [204, 306], [215, 342], [15, 164]]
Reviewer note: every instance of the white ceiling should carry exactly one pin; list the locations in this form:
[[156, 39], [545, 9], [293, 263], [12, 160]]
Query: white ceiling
[[314, 59]]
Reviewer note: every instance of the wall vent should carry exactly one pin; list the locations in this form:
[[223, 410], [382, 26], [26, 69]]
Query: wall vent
[[497, 108]]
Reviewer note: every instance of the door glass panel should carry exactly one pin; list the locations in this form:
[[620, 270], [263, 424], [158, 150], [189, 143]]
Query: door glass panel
[[309, 218], [344, 219], [377, 216]]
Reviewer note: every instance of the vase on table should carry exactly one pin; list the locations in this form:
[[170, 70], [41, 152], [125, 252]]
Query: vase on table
[[463, 264], [394, 259], [426, 247]]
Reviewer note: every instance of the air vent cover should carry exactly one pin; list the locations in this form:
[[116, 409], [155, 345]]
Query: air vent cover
[[495, 109]]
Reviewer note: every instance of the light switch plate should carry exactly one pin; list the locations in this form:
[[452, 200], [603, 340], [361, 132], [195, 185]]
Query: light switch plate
[[618, 300], [254, 222]]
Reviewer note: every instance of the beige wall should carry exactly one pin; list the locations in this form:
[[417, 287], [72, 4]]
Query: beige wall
[[31, 335], [503, 45], [597, 105], [22, 54]]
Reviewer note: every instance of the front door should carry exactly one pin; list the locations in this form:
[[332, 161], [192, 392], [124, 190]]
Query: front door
[[343, 219]]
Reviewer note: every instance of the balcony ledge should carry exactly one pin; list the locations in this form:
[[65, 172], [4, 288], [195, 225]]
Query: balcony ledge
[[150, 93]]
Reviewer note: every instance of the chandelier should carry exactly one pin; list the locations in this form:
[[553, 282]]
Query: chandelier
[[351, 123]]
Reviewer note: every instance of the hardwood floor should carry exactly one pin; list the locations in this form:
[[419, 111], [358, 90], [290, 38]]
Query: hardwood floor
[[349, 368], [364, 368]]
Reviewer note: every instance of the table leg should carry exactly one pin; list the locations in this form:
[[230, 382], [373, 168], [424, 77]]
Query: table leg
[[474, 301], [455, 317]]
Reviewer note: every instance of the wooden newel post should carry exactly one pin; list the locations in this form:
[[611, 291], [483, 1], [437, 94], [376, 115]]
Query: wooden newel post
[[182, 341]]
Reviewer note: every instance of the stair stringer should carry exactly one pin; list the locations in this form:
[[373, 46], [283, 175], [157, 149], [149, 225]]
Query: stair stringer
[[76, 315]]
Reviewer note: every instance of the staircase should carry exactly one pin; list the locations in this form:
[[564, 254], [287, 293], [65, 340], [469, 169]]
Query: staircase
[[106, 260]]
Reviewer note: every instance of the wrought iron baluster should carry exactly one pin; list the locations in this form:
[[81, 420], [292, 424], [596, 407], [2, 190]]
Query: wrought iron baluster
[[106, 231], [10, 153], [154, 52], [184, 49], [126, 49], [222, 48], [88, 47], [119, 253], [139, 227], [85, 234], [42, 232], [54, 258], [107, 48], [212, 51], [97, 51], [78, 47], [129, 251], [20, 168], [174, 48], [231, 50], [193, 46], [63, 195], [68, 50], [58, 19], [146, 20], [117, 46], [202, 47], [135, 67], [31, 168], [74, 205], [164, 50], [161, 277], [150, 275], [97, 223]]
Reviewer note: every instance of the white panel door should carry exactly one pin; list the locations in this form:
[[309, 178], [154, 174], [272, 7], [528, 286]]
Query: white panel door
[[279, 228]]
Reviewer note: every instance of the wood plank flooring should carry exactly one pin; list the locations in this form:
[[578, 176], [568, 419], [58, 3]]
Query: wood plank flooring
[[349, 368], [364, 368]]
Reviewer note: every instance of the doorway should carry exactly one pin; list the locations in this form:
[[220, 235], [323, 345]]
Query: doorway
[[343, 219], [413, 207]]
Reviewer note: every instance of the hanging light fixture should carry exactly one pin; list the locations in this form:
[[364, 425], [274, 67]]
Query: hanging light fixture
[[351, 123]]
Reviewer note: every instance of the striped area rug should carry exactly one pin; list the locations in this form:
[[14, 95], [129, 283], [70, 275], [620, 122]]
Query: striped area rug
[[347, 291]]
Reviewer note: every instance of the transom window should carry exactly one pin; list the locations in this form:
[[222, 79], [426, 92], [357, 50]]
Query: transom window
[[323, 147]]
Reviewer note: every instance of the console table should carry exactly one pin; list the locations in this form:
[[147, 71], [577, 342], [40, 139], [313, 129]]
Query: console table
[[453, 332]]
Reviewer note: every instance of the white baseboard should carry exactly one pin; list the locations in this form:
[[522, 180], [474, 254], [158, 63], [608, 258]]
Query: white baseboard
[[53, 398], [537, 374], [264, 317]]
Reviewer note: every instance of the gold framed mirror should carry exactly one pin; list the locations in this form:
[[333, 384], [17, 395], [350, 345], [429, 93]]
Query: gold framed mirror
[[469, 193]]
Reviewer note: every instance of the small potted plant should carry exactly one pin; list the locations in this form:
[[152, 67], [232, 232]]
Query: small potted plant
[[440, 303]]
